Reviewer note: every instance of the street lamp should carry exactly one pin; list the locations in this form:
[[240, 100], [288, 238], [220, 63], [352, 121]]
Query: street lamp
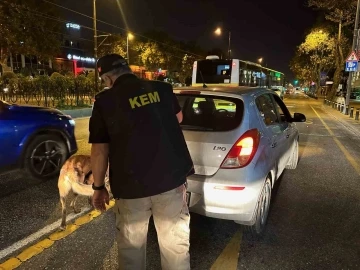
[[218, 32], [129, 36], [260, 60]]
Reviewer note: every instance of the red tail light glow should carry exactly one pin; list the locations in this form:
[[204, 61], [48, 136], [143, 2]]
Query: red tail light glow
[[243, 150]]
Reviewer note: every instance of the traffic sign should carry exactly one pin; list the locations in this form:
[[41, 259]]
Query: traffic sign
[[352, 57], [351, 65]]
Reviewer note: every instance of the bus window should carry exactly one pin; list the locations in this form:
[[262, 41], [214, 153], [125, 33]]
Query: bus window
[[213, 71]]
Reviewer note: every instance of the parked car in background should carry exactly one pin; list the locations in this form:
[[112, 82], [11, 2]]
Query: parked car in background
[[241, 140], [35, 139]]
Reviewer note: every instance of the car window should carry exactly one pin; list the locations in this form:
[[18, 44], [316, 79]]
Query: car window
[[280, 112], [210, 113], [267, 109], [281, 109], [219, 104]]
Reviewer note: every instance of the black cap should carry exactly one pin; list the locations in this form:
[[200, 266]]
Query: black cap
[[110, 62]]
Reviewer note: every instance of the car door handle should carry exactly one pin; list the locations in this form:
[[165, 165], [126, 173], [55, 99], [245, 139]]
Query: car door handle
[[273, 145]]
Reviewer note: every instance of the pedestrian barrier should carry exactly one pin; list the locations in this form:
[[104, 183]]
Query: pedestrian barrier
[[339, 106]]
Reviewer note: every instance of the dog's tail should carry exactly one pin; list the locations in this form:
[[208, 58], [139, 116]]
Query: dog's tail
[[82, 189]]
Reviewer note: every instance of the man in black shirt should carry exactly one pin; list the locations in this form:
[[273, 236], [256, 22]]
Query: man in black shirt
[[135, 127]]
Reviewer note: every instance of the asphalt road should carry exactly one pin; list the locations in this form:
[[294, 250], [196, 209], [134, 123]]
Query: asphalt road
[[313, 222]]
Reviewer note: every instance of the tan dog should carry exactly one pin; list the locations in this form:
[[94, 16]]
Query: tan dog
[[76, 176]]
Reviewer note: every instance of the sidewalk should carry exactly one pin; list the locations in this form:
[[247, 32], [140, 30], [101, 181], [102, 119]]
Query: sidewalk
[[348, 122], [77, 113]]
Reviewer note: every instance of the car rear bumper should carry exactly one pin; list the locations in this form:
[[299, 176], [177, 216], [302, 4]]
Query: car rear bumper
[[237, 205]]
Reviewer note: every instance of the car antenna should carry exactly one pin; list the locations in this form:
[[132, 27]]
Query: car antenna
[[202, 78]]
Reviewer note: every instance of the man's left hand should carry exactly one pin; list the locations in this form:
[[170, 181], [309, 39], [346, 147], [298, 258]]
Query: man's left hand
[[100, 198]]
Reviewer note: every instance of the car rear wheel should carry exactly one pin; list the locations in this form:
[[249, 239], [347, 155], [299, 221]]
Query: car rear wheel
[[256, 231], [294, 157], [44, 156]]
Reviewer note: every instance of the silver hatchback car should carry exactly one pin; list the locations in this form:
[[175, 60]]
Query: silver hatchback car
[[240, 139]]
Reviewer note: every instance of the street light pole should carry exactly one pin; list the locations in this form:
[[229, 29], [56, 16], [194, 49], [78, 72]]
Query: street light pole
[[260, 62], [355, 47], [95, 49], [129, 36], [218, 32], [127, 48], [229, 49]]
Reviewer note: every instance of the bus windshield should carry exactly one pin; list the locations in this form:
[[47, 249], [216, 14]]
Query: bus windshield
[[213, 71]]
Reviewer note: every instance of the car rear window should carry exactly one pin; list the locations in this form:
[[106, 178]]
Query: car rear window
[[210, 113]]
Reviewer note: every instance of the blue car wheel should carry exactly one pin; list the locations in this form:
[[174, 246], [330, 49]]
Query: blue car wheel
[[45, 156]]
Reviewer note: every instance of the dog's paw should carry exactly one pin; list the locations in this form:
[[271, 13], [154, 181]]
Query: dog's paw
[[62, 228]]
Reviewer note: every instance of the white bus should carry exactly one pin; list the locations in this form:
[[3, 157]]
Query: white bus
[[234, 72]]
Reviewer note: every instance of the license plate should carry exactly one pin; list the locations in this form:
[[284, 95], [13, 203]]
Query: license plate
[[188, 195]]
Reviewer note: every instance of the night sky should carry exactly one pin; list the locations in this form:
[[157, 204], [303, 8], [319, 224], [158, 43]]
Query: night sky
[[262, 28]]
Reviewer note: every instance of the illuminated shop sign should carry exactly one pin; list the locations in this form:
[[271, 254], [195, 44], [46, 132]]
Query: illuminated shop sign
[[80, 58], [73, 25]]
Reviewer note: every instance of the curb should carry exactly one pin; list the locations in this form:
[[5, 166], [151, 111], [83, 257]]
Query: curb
[[78, 113], [46, 242], [350, 120]]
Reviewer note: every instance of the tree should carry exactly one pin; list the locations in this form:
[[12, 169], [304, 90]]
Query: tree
[[29, 28], [172, 50], [113, 44], [318, 52], [341, 12], [150, 55], [186, 67], [302, 68]]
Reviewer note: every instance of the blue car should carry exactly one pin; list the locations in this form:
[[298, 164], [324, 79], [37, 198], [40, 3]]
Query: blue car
[[35, 139]]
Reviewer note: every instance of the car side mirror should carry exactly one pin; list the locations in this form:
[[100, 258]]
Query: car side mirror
[[298, 117]]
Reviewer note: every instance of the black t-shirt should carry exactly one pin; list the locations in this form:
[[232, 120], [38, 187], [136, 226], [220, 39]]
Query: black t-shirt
[[148, 154]]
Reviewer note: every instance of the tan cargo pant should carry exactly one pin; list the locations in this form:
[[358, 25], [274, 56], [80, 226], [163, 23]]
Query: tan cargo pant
[[171, 218]]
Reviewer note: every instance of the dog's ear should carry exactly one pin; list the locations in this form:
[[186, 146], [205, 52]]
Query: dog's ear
[[78, 168]]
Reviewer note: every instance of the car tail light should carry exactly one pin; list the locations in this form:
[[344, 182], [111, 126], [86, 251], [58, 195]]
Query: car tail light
[[243, 150]]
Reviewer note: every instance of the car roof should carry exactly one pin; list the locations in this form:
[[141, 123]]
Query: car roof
[[223, 90]]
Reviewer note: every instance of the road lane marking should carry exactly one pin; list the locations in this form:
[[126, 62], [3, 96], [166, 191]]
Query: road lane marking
[[348, 156], [83, 217], [319, 135], [229, 258], [35, 236]]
